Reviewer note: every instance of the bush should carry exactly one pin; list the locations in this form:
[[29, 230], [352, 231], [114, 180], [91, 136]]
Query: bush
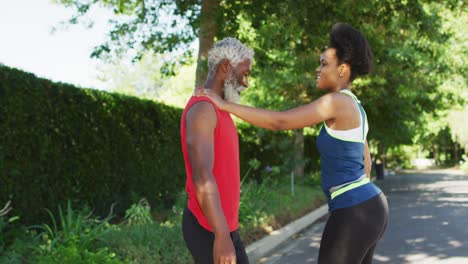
[[6, 233], [273, 149], [76, 237], [58, 142], [22, 249], [75, 229], [94, 148], [72, 238], [139, 214], [3, 224]]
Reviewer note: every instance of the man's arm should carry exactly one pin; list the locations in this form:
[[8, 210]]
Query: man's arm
[[200, 125], [367, 159]]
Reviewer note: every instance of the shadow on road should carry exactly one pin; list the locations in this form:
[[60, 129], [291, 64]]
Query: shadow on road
[[428, 219], [428, 223]]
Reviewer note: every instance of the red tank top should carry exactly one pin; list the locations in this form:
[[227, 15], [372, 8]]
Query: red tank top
[[225, 170]]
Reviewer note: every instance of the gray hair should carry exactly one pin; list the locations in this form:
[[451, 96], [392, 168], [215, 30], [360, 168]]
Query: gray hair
[[230, 49]]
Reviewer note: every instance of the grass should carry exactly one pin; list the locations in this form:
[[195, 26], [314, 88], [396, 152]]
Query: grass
[[71, 238], [148, 243], [269, 206]]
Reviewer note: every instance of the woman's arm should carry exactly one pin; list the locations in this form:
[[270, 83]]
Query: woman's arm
[[303, 116]]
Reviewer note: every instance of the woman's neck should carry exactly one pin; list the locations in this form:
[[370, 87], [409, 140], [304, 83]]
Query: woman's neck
[[340, 88]]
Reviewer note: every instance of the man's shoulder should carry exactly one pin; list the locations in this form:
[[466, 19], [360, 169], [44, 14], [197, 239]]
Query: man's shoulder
[[201, 113], [200, 107]]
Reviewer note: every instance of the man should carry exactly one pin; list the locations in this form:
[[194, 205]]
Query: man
[[211, 152]]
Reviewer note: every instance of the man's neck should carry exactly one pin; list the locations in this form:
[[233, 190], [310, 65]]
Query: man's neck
[[216, 86]]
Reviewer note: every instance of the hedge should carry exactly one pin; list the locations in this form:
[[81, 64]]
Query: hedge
[[58, 142], [274, 148]]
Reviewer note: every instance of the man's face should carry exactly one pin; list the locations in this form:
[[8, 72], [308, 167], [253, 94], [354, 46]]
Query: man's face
[[237, 81]]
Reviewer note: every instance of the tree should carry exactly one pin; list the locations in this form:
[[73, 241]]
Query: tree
[[409, 43], [408, 39], [159, 26], [144, 79]]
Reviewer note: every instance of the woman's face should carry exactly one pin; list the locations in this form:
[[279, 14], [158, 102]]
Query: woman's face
[[328, 72]]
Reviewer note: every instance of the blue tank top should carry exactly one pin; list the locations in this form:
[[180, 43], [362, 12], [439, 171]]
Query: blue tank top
[[342, 166]]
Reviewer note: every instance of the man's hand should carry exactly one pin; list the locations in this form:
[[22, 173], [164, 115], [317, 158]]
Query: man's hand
[[223, 250]]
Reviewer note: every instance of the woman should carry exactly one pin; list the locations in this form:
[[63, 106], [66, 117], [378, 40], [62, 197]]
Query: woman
[[358, 208]]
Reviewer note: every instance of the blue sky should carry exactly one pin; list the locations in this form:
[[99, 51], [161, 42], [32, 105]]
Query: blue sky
[[26, 42]]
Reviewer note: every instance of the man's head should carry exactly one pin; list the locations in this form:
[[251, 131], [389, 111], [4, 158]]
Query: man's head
[[231, 61]]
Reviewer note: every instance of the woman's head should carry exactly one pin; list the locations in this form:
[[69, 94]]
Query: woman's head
[[347, 57]]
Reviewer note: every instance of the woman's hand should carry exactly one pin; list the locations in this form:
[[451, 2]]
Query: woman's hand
[[220, 103]]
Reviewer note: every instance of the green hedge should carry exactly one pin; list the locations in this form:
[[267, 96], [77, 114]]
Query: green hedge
[[273, 148], [96, 148]]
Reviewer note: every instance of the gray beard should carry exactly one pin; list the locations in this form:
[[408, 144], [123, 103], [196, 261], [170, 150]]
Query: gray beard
[[232, 89]]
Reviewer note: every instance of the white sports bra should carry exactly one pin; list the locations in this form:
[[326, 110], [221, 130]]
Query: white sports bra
[[354, 134]]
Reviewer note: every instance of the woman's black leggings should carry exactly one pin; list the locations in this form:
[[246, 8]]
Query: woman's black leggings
[[351, 234]]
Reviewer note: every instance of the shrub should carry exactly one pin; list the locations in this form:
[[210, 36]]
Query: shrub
[[6, 233], [22, 249], [58, 142], [139, 214], [75, 229]]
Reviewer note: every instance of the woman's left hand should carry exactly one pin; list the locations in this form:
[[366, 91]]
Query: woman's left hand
[[220, 103]]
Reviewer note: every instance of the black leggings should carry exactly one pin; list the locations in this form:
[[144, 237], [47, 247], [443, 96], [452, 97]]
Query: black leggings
[[351, 234], [200, 241]]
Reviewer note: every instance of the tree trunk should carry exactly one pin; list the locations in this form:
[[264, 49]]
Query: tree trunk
[[382, 155], [206, 36], [456, 158], [299, 152]]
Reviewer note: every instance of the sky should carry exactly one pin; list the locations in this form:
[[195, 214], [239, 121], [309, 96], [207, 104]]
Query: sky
[[27, 42]]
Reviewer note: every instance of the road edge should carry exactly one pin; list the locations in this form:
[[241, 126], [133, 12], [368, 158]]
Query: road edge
[[266, 245]]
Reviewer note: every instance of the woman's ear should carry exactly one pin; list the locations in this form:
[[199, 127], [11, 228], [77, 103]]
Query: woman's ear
[[345, 70]]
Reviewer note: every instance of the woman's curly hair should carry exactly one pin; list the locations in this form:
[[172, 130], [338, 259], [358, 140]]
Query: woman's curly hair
[[352, 48]]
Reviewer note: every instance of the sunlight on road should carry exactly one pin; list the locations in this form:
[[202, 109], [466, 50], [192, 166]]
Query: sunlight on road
[[381, 258], [428, 220], [423, 258]]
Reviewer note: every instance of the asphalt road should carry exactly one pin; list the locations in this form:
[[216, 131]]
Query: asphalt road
[[428, 223]]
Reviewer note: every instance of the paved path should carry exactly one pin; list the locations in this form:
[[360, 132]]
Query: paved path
[[428, 223]]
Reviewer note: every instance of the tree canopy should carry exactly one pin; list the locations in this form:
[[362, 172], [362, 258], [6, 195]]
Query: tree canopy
[[416, 75]]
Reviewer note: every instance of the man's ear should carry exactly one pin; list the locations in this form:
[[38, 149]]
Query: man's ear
[[225, 66]]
